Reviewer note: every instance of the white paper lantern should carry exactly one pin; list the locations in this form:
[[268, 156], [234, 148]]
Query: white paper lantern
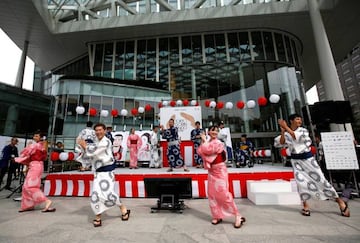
[[288, 152], [141, 109], [179, 102], [250, 104], [212, 104], [123, 112], [229, 105], [104, 113], [165, 103], [63, 156], [274, 98], [80, 110], [268, 153], [193, 103]]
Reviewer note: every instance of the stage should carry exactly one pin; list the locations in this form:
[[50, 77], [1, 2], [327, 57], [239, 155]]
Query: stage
[[130, 182]]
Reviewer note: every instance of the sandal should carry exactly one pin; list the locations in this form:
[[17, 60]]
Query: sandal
[[48, 210], [97, 222], [242, 221], [26, 210], [216, 221], [346, 211], [126, 216], [305, 212]]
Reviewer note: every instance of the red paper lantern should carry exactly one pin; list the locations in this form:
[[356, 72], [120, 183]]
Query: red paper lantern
[[207, 103], [54, 156], [255, 153], [283, 152], [71, 156], [262, 101], [313, 149], [148, 107], [185, 102], [262, 153], [220, 105], [134, 111], [173, 103], [240, 104], [114, 112], [160, 105], [92, 112]]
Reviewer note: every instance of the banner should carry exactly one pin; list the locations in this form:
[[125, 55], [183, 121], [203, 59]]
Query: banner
[[184, 118]]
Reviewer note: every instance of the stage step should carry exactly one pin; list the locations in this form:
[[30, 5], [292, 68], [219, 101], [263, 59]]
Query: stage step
[[272, 192]]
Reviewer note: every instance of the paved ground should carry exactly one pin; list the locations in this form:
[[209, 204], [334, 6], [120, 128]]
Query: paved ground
[[72, 222]]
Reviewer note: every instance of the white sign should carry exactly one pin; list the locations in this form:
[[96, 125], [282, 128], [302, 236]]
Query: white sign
[[184, 118], [339, 151]]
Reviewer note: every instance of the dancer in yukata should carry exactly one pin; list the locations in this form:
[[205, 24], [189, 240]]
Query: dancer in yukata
[[155, 160], [310, 180], [173, 151], [33, 157], [195, 136], [103, 196], [88, 135], [220, 198], [133, 143]]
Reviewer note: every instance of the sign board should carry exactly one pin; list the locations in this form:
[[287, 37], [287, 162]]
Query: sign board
[[184, 118], [339, 151]]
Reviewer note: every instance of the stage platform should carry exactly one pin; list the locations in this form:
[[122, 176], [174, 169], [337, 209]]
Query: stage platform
[[130, 182]]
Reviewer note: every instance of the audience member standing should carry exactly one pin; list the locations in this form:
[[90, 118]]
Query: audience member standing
[[195, 136], [155, 149], [133, 144], [7, 162]]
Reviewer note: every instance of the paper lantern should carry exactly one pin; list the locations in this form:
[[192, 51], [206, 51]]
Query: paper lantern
[[114, 112], [160, 104], [54, 156], [229, 105], [141, 109], [71, 156], [64, 156], [262, 153], [92, 112], [283, 152], [172, 103], [256, 153], [207, 103], [123, 112], [148, 107], [267, 152], [104, 113], [134, 111], [240, 104], [250, 104], [179, 102], [185, 102], [212, 104], [165, 103], [193, 103], [313, 149], [274, 98], [220, 105], [262, 101], [80, 110]]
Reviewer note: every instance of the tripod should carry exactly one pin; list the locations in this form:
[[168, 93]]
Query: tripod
[[21, 183]]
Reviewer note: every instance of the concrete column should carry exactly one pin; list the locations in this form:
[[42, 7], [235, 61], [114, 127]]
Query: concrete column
[[193, 84], [11, 120], [327, 66], [243, 97], [20, 73]]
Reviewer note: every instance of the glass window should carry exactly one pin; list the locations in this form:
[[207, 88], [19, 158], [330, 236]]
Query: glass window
[[288, 50], [140, 59], [257, 45], [233, 44], [269, 46], [244, 47], [119, 60], [280, 47], [164, 60], [186, 50], [210, 49], [220, 48], [129, 60], [99, 51], [197, 50], [151, 59], [174, 50], [296, 59], [108, 59], [72, 102]]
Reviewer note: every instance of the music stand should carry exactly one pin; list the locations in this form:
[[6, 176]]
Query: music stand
[[169, 192], [21, 183]]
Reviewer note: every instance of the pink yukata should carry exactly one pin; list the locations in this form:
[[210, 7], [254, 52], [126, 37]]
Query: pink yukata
[[32, 156], [221, 201], [133, 143]]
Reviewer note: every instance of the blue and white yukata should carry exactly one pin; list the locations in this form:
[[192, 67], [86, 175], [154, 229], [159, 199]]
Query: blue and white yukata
[[197, 141], [310, 180], [173, 152]]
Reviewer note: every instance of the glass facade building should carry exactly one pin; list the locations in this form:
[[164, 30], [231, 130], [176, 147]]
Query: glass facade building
[[232, 66]]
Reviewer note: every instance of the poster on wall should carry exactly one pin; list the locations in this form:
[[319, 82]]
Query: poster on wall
[[184, 118], [339, 151]]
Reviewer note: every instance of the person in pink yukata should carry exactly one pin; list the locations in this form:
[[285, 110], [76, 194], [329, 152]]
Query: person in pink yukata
[[133, 143], [33, 157], [221, 200]]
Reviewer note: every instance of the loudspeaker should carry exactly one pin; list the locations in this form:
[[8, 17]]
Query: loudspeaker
[[329, 112]]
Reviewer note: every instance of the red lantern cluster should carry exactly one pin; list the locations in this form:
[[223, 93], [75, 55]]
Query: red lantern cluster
[[54, 156], [207, 103], [71, 156], [220, 105], [313, 150], [92, 112], [160, 104], [262, 101], [114, 112], [185, 102], [134, 111], [173, 103], [148, 107], [240, 104]]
